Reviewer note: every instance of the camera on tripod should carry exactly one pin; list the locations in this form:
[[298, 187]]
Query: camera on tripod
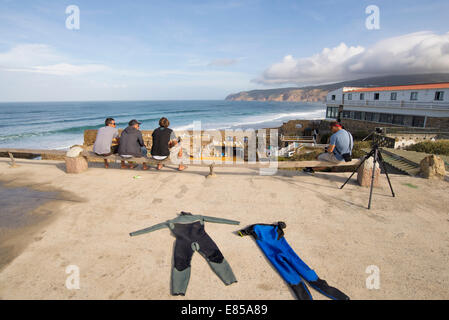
[[379, 130], [376, 154]]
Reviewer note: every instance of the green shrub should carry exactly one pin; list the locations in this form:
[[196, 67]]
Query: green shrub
[[309, 154], [357, 151], [431, 147]]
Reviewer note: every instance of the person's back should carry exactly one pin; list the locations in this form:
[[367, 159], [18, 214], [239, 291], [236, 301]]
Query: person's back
[[161, 138], [164, 139], [131, 141], [340, 147], [105, 135], [343, 142]]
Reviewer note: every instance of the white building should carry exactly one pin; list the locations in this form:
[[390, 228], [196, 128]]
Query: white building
[[423, 105]]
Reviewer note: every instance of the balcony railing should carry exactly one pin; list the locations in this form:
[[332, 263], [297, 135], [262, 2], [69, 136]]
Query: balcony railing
[[434, 105]]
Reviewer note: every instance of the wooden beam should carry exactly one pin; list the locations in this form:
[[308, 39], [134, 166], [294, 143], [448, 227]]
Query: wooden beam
[[13, 161], [33, 151], [205, 163], [212, 164]]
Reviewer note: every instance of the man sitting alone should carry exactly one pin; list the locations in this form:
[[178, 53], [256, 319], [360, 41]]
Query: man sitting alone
[[341, 143], [163, 140], [132, 145], [105, 137]]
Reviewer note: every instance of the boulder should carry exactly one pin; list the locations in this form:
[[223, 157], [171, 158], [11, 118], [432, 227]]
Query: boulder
[[365, 173], [74, 151], [76, 165], [432, 167], [75, 162]]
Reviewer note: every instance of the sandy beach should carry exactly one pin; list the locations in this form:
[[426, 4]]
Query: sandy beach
[[88, 221]]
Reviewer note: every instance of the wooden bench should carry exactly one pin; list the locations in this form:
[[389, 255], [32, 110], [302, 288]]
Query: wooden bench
[[209, 163], [90, 156], [115, 157]]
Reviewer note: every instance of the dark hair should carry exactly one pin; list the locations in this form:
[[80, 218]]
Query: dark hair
[[334, 124], [108, 121], [164, 122]]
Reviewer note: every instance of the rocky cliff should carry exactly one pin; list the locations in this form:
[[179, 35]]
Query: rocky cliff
[[318, 93]]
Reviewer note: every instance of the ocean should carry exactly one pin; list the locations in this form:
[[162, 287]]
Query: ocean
[[59, 125]]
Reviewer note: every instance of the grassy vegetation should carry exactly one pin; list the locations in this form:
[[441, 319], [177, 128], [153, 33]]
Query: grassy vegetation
[[432, 147], [309, 154], [358, 146]]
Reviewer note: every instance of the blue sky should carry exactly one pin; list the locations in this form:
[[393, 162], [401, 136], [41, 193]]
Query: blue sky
[[208, 49]]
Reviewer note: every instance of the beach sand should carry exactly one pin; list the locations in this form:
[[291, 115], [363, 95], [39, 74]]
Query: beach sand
[[406, 237]]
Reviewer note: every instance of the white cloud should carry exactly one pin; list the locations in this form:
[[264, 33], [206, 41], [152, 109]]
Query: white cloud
[[420, 52], [63, 69], [28, 55], [40, 58]]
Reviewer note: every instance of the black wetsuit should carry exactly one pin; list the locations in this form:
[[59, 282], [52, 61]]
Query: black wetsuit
[[190, 237]]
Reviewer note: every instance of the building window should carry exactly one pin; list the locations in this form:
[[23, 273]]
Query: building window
[[347, 114], [357, 115], [418, 121], [398, 119], [349, 96], [376, 96], [394, 96], [414, 96], [332, 112], [439, 95], [333, 97], [386, 118], [362, 96], [369, 116]]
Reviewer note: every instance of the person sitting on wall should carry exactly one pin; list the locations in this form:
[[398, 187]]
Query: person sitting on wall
[[340, 146], [107, 140], [132, 145], [164, 139]]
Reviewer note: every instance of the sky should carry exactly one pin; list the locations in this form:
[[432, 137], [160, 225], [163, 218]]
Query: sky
[[175, 50]]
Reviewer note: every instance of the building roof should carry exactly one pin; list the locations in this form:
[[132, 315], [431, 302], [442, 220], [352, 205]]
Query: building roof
[[425, 86]]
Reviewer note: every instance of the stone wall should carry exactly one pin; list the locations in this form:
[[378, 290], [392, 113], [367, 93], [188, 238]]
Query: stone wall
[[356, 125], [91, 135], [359, 125], [439, 123], [403, 140]]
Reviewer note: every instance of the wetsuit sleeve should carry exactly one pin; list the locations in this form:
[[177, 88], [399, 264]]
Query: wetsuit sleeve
[[150, 229], [220, 220]]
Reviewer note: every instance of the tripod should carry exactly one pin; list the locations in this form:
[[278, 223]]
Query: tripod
[[377, 157]]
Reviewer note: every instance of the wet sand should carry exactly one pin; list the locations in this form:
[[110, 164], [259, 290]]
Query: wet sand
[[20, 218], [406, 237], [24, 212]]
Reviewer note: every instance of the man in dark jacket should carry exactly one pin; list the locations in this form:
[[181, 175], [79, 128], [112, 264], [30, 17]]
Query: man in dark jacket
[[131, 144], [163, 140]]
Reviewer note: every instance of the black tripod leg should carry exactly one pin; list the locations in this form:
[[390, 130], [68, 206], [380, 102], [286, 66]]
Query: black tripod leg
[[356, 169], [372, 178], [384, 167]]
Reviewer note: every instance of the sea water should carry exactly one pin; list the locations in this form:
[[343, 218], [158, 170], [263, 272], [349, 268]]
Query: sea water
[[59, 125]]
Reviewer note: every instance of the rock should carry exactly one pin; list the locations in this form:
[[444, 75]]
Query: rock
[[76, 165], [432, 167], [74, 151], [365, 172]]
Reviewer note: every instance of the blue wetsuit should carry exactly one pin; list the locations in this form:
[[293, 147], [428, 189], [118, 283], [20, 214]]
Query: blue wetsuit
[[270, 239]]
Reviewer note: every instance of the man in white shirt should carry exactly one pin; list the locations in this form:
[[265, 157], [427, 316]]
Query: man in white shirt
[[103, 142]]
